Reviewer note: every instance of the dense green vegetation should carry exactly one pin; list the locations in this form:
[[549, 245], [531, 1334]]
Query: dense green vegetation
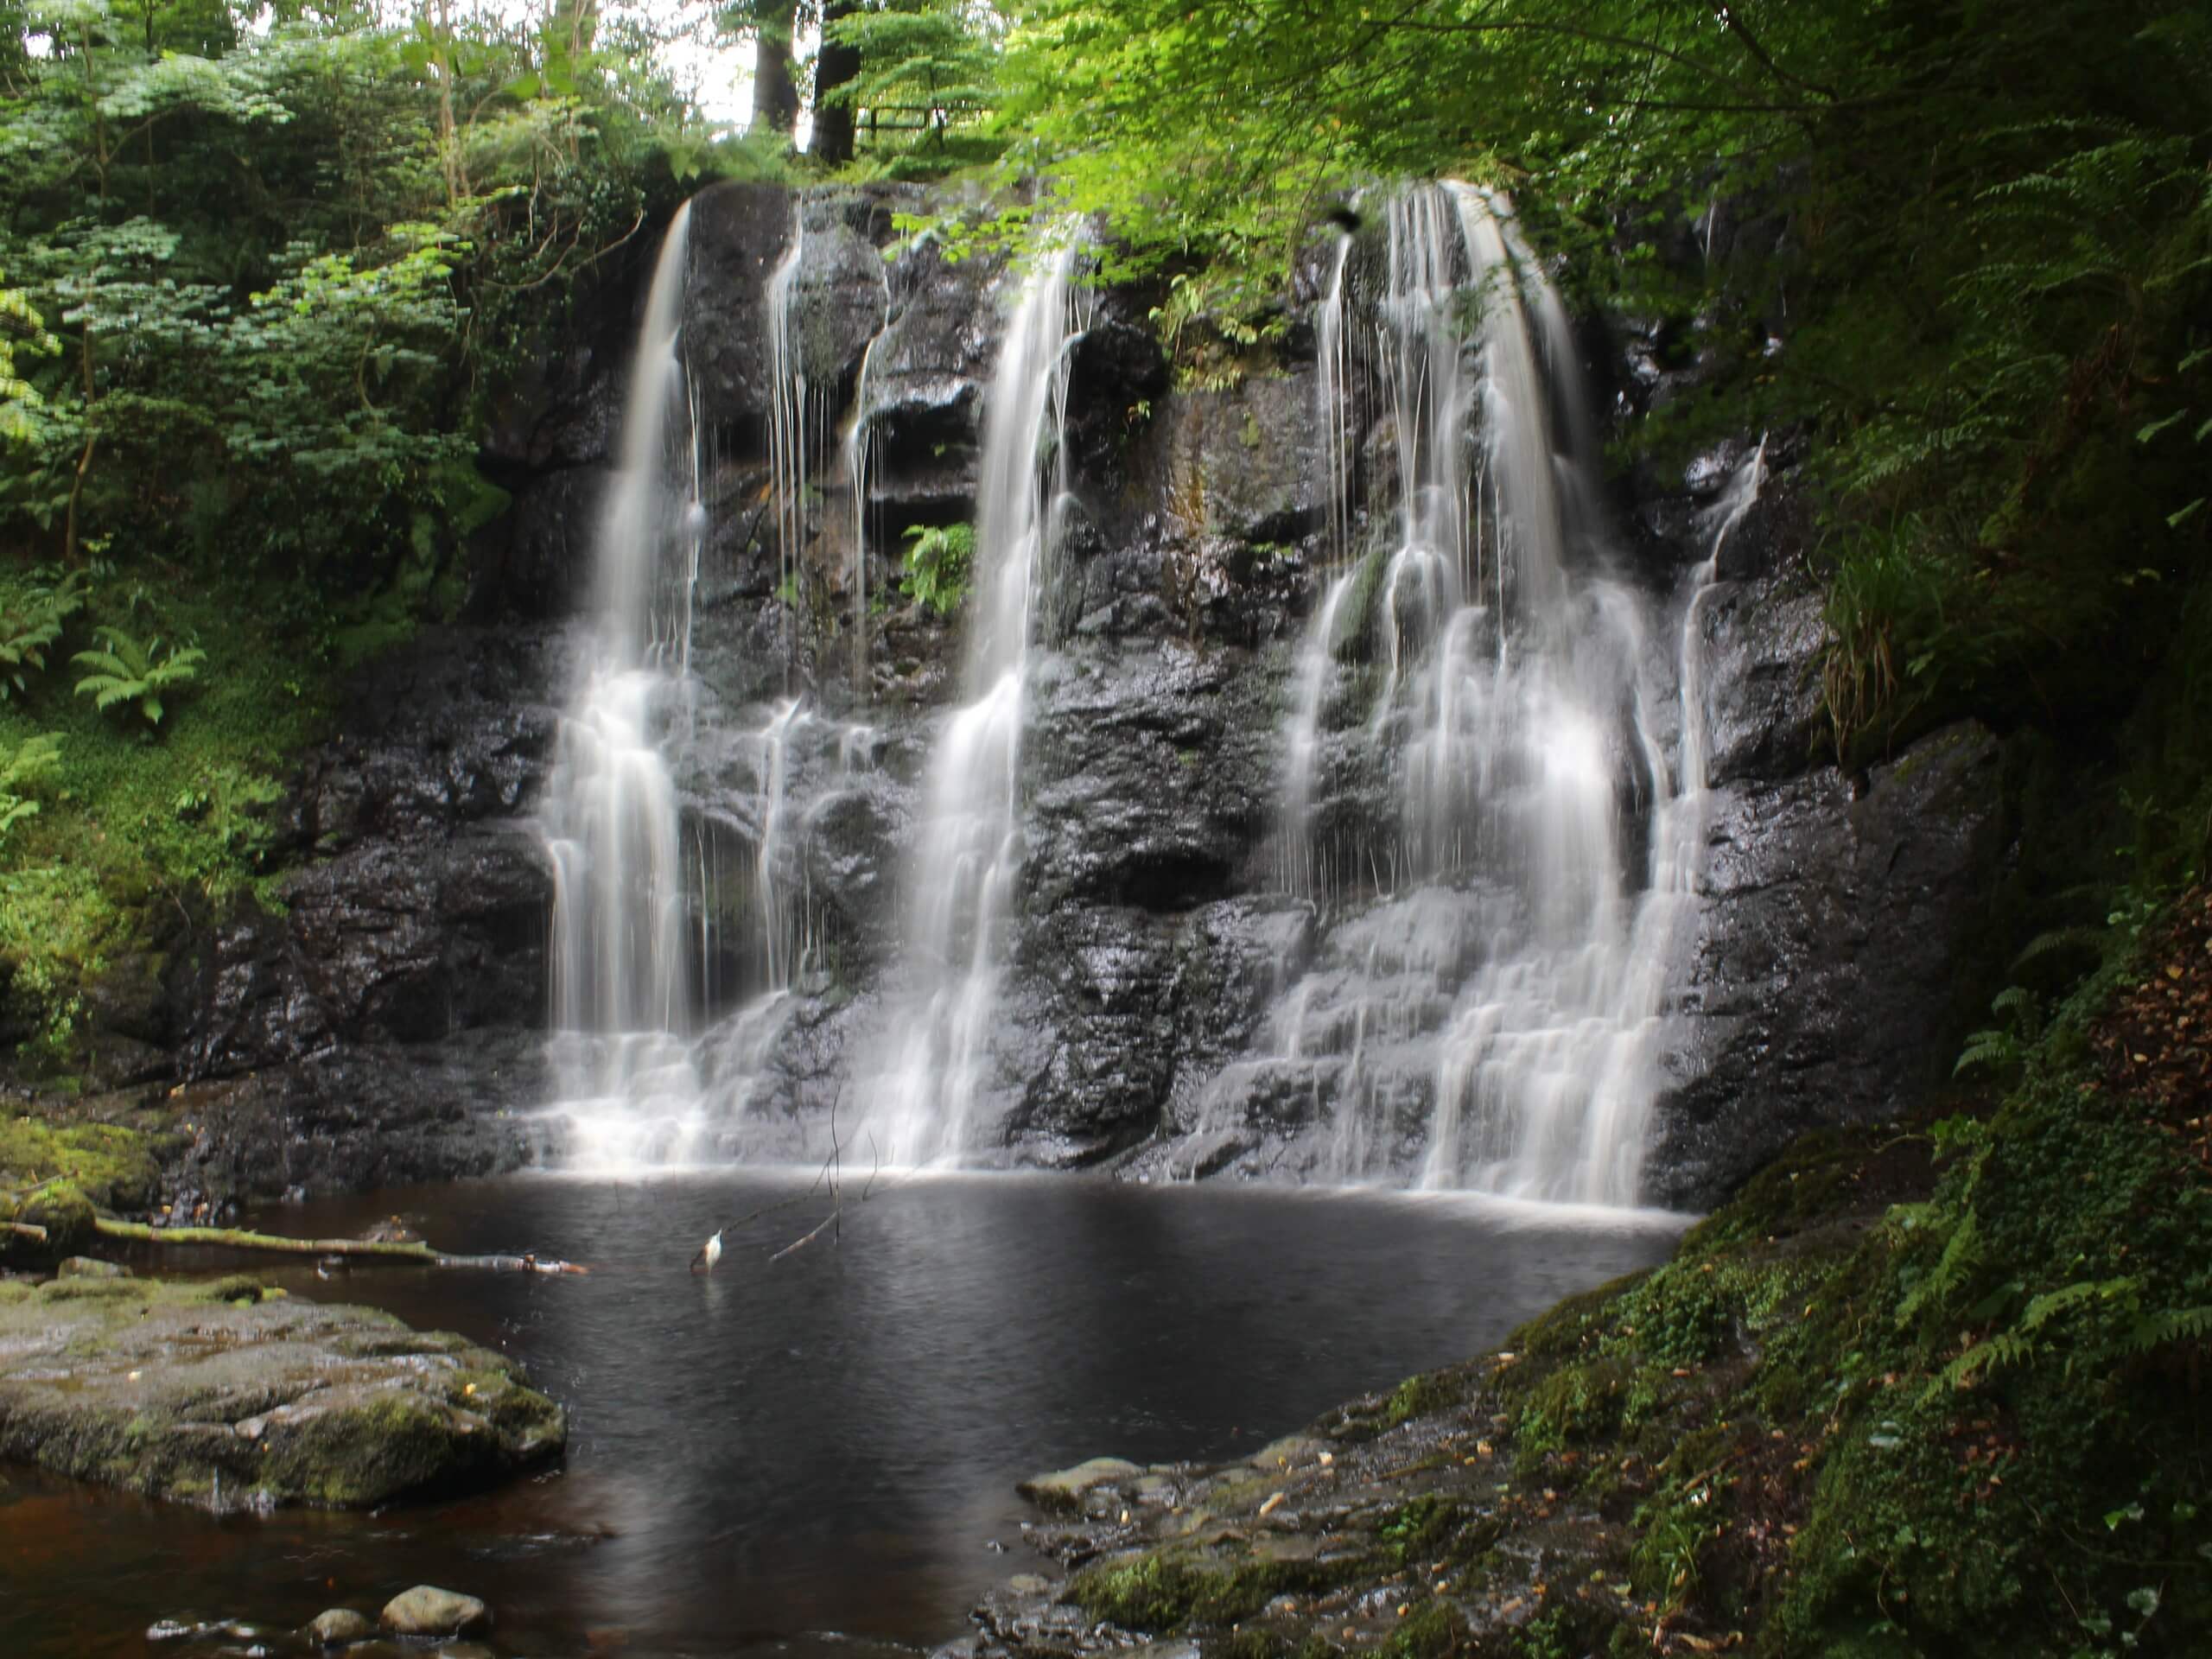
[[1872, 1408], [265, 273]]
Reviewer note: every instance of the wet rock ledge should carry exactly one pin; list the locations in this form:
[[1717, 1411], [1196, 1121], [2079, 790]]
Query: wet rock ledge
[[232, 1398]]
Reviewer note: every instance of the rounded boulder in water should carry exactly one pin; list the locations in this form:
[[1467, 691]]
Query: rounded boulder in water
[[428, 1610], [338, 1627]]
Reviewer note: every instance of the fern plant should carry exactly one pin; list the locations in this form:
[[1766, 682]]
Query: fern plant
[[939, 558], [32, 616], [2004, 1049], [130, 675], [24, 765]]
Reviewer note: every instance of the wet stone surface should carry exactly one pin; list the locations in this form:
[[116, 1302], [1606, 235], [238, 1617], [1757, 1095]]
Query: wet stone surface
[[219, 1397]]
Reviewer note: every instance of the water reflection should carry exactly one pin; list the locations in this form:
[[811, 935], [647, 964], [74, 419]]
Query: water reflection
[[829, 1443]]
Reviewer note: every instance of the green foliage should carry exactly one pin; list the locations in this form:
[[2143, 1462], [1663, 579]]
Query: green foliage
[[1965, 1422], [21, 327], [129, 673], [33, 612], [928, 79], [938, 559], [132, 833], [2003, 1049], [286, 267], [21, 766]]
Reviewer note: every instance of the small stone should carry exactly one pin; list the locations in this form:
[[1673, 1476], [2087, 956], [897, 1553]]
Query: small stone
[[1028, 1584], [428, 1610], [339, 1626]]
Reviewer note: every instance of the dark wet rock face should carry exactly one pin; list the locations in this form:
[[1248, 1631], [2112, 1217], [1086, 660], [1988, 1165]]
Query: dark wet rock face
[[175, 1392], [1826, 982], [388, 1018]]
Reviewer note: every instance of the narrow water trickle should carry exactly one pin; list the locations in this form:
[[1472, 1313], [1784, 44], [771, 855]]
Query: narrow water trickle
[[963, 870]]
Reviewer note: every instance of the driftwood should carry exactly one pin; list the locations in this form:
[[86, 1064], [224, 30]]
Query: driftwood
[[28, 1229], [234, 1238]]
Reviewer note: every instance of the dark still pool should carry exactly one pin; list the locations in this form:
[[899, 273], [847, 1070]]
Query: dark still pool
[[826, 1443]]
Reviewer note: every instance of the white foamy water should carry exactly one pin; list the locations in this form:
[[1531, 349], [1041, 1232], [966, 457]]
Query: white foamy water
[[964, 870], [1489, 996]]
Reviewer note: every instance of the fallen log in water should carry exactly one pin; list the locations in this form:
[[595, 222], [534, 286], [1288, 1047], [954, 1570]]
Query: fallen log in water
[[235, 1238]]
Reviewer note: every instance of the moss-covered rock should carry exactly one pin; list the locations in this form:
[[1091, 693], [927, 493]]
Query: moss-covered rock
[[205, 1395]]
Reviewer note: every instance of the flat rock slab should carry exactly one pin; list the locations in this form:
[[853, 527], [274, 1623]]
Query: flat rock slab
[[428, 1610], [1064, 1489], [193, 1393]]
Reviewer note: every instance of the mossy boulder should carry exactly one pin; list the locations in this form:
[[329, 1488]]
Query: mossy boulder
[[201, 1394], [58, 1176], [66, 1216]]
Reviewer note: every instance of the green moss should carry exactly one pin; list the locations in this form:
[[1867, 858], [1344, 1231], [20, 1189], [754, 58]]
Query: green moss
[[137, 821], [65, 1214], [397, 1442], [1165, 1591], [114, 1167], [1572, 1405], [1423, 1397], [1430, 1631], [1151, 1594], [1419, 1528]]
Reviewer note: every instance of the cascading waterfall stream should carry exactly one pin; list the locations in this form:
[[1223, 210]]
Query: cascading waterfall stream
[[1493, 789], [622, 990], [966, 861], [635, 956], [1312, 671], [1510, 975]]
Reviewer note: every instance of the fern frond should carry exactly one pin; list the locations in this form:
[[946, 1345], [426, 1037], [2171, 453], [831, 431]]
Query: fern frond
[[1997, 1050], [1983, 1361], [2052, 1303], [1960, 1251], [2060, 941], [2175, 1325]]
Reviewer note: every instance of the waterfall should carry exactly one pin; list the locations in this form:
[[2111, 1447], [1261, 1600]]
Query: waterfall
[[787, 434], [858, 454], [1487, 1002], [962, 871], [622, 993], [1312, 671]]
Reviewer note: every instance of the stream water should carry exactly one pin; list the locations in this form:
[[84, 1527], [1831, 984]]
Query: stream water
[[822, 1450]]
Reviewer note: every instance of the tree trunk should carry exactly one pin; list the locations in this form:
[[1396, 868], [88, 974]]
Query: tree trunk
[[775, 95], [835, 65]]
